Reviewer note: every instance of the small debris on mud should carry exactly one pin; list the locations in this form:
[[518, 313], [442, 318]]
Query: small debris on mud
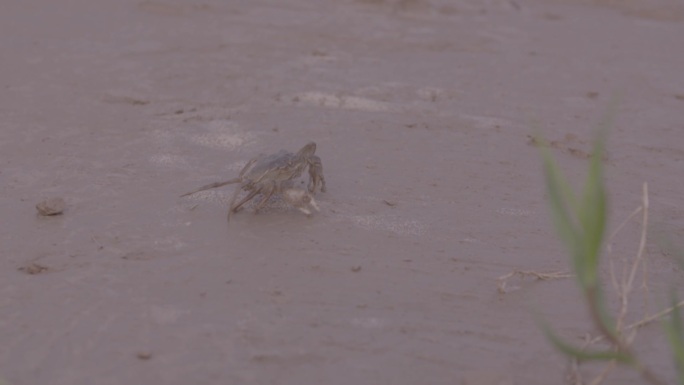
[[33, 268], [563, 145], [118, 99], [137, 256], [52, 206], [502, 281], [389, 203], [356, 269], [144, 356]]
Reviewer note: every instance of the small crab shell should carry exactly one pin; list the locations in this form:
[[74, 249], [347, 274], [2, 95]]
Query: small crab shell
[[277, 167], [275, 173]]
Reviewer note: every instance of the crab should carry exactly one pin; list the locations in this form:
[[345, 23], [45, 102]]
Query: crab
[[270, 174]]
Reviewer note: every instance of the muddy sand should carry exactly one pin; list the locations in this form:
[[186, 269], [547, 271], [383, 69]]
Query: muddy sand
[[422, 112]]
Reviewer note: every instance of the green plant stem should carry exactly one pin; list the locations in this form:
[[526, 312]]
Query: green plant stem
[[620, 345]]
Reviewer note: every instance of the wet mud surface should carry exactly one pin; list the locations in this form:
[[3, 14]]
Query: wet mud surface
[[424, 113]]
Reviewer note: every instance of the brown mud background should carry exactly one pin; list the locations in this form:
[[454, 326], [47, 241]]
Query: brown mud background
[[422, 111]]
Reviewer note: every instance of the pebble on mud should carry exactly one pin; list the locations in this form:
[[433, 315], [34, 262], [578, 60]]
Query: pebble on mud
[[52, 206]]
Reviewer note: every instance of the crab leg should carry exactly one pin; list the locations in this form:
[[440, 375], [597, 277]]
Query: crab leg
[[316, 174], [213, 185], [235, 207], [247, 166], [221, 184], [266, 195]]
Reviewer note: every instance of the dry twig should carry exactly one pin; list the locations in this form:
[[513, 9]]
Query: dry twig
[[503, 280]]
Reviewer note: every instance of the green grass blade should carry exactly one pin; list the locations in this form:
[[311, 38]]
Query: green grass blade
[[675, 336], [599, 312], [560, 196], [592, 213]]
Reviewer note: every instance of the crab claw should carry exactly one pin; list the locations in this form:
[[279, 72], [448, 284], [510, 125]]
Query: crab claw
[[301, 199]]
